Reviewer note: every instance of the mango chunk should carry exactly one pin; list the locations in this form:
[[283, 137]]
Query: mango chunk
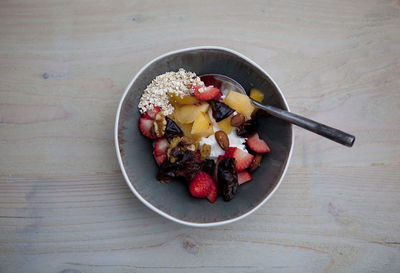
[[225, 125], [256, 95], [202, 123], [188, 113], [240, 103]]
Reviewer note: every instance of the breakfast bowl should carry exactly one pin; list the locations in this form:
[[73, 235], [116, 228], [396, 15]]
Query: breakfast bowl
[[173, 201]]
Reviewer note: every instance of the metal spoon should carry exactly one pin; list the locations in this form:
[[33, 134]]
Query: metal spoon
[[226, 83]]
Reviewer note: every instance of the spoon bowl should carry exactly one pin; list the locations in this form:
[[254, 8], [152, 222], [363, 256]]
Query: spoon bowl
[[226, 84]]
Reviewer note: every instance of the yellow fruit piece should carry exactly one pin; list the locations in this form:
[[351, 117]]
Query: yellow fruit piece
[[256, 95], [202, 123], [207, 133], [239, 102], [188, 113], [176, 99], [225, 125], [186, 128]]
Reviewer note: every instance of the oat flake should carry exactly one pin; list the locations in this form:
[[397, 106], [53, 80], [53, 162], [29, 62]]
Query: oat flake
[[156, 94]]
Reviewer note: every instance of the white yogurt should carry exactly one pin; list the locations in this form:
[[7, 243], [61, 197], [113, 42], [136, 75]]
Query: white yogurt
[[216, 150]]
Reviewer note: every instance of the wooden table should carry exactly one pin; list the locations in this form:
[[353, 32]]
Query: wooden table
[[64, 205]]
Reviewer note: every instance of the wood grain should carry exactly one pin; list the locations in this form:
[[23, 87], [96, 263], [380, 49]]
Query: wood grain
[[64, 206]]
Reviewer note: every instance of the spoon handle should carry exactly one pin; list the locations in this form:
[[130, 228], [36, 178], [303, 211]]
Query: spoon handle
[[313, 126]]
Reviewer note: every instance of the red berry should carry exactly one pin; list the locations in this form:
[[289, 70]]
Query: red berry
[[160, 146], [145, 125], [242, 159], [160, 159], [220, 157], [243, 177], [212, 196], [201, 184], [208, 93], [160, 150], [257, 145], [151, 114]]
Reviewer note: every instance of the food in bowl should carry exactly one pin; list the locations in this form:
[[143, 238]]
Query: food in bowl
[[201, 132]]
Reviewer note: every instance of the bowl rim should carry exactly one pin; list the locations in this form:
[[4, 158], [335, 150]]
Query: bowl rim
[[122, 167]]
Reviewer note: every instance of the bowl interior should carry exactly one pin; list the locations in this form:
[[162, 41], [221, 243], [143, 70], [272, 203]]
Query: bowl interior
[[174, 199]]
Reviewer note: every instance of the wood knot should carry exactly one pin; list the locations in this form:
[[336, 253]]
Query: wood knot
[[190, 245]]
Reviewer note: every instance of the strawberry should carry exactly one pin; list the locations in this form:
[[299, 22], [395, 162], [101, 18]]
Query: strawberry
[[145, 125], [257, 145], [201, 184], [242, 159], [243, 177], [160, 159], [160, 146], [220, 157], [151, 114], [212, 196], [208, 93]]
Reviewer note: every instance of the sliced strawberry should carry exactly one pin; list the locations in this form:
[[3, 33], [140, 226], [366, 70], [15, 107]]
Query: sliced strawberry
[[243, 177], [257, 145], [220, 157], [212, 196], [160, 158], [201, 184], [242, 159], [205, 93], [160, 146], [218, 96], [145, 125], [151, 114]]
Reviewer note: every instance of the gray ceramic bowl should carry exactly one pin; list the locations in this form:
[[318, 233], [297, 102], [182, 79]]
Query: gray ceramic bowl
[[173, 200]]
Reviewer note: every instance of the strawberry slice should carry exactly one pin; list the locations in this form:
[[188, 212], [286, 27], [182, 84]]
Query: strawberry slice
[[242, 159], [160, 150], [160, 159], [205, 93], [212, 196], [145, 125], [160, 146], [151, 114], [200, 187], [243, 177], [257, 145]]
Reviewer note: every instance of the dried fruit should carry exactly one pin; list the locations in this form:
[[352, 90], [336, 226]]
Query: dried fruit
[[222, 140], [172, 129], [247, 129], [205, 151], [208, 166], [256, 163], [237, 120], [227, 178], [220, 110]]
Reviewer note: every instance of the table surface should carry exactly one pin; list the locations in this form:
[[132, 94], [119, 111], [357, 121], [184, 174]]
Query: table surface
[[64, 205]]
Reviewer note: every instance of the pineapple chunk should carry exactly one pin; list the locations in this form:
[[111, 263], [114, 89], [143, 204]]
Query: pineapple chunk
[[201, 124], [239, 102], [185, 100], [186, 128], [188, 113], [256, 95], [225, 125], [205, 134]]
